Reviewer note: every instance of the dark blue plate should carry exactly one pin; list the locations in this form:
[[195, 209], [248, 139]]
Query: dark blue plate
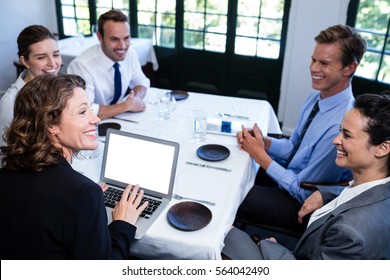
[[213, 152], [179, 94], [189, 216]]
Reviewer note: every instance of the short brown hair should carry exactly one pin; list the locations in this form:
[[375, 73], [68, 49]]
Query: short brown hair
[[352, 44], [114, 15]]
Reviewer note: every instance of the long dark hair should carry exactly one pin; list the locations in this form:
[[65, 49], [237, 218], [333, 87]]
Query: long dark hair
[[376, 109], [38, 105]]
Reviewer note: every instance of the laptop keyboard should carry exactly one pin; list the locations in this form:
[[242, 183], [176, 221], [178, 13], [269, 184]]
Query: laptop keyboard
[[111, 196]]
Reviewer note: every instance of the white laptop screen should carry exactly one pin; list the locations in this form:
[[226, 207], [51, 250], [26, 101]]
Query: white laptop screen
[[132, 160]]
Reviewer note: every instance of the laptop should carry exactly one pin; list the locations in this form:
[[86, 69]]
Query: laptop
[[151, 163]]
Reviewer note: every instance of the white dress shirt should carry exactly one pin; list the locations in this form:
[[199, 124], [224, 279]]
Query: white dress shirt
[[7, 103], [347, 194], [98, 72]]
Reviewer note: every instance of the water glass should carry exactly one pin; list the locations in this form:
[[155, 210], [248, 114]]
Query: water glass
[[166, 104], [200, 125]]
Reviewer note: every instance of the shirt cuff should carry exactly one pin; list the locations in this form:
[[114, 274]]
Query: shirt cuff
[[275, 147], [275, 170]]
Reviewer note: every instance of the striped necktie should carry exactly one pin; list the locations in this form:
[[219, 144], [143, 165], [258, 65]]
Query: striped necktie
[[117, 83], [309, 119]]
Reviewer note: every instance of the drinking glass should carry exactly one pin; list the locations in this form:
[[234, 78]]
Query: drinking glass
[[166, 104], [199, 125]]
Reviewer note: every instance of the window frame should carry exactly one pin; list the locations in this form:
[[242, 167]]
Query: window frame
[[352, 15], [179, 29], [92, 6]]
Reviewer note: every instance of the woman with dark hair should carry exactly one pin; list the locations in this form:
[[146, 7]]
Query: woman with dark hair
[[355, 225], [49, 210], [39, 53]]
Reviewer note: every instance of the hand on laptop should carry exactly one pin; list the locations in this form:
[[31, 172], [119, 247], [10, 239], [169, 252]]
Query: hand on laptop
[[127, 209], [103, 186]]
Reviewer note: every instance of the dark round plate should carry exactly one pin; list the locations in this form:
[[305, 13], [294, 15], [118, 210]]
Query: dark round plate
[[102, 128], [179, 94], [189, 216], [213, 152]]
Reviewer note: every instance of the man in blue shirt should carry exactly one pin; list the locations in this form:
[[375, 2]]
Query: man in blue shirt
[[277, 197]]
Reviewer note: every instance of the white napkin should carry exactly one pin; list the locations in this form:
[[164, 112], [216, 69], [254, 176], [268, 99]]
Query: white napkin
[[226, 126]]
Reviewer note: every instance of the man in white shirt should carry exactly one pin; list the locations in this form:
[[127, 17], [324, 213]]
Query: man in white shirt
[[96, 66]]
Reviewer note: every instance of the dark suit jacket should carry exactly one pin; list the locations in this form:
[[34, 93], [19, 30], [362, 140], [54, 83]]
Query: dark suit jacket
[[58, 214], [358, 229]]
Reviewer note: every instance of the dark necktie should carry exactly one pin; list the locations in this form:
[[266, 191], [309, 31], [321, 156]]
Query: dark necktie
[[117, 83], [309, 119]]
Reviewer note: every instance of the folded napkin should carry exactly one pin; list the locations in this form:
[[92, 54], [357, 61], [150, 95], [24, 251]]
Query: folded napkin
[[226, 125]]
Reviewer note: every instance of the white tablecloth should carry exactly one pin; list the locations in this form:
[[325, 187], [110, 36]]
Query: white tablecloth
[[73, 46], [226, 189]]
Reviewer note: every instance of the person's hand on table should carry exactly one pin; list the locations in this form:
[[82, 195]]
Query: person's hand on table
[[242, 134], [128, 208], [134, 103], [251, 140], [255, 144]]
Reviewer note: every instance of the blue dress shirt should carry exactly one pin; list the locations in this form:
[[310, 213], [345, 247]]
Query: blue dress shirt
[[315, 158]]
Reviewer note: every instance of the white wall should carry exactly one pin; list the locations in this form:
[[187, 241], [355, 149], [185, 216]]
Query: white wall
[[307, 18], [16, 15]]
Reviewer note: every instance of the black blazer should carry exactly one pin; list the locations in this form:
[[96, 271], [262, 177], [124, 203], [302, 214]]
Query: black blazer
[[58, 214]]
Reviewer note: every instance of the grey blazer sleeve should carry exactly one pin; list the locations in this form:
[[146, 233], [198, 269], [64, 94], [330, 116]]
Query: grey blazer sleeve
[[274, 251]]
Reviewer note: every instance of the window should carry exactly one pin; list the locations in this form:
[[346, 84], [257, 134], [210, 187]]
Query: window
[[78, 17], [75, 17], [259, 28], [229, 47], [157, 20], [103, 6], [254, 27], [373, 23], [205, 25]]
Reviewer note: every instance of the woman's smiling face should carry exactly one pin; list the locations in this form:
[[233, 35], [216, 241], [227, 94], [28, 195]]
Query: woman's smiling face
[[354, 150], [78, 127], [44, 59]]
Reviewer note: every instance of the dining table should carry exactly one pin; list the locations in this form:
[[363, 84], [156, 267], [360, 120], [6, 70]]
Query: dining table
[[71, 47], [225, 185]]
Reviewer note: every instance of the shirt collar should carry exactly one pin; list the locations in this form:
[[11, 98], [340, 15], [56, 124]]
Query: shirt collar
[[105, 61], [329, 103]]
